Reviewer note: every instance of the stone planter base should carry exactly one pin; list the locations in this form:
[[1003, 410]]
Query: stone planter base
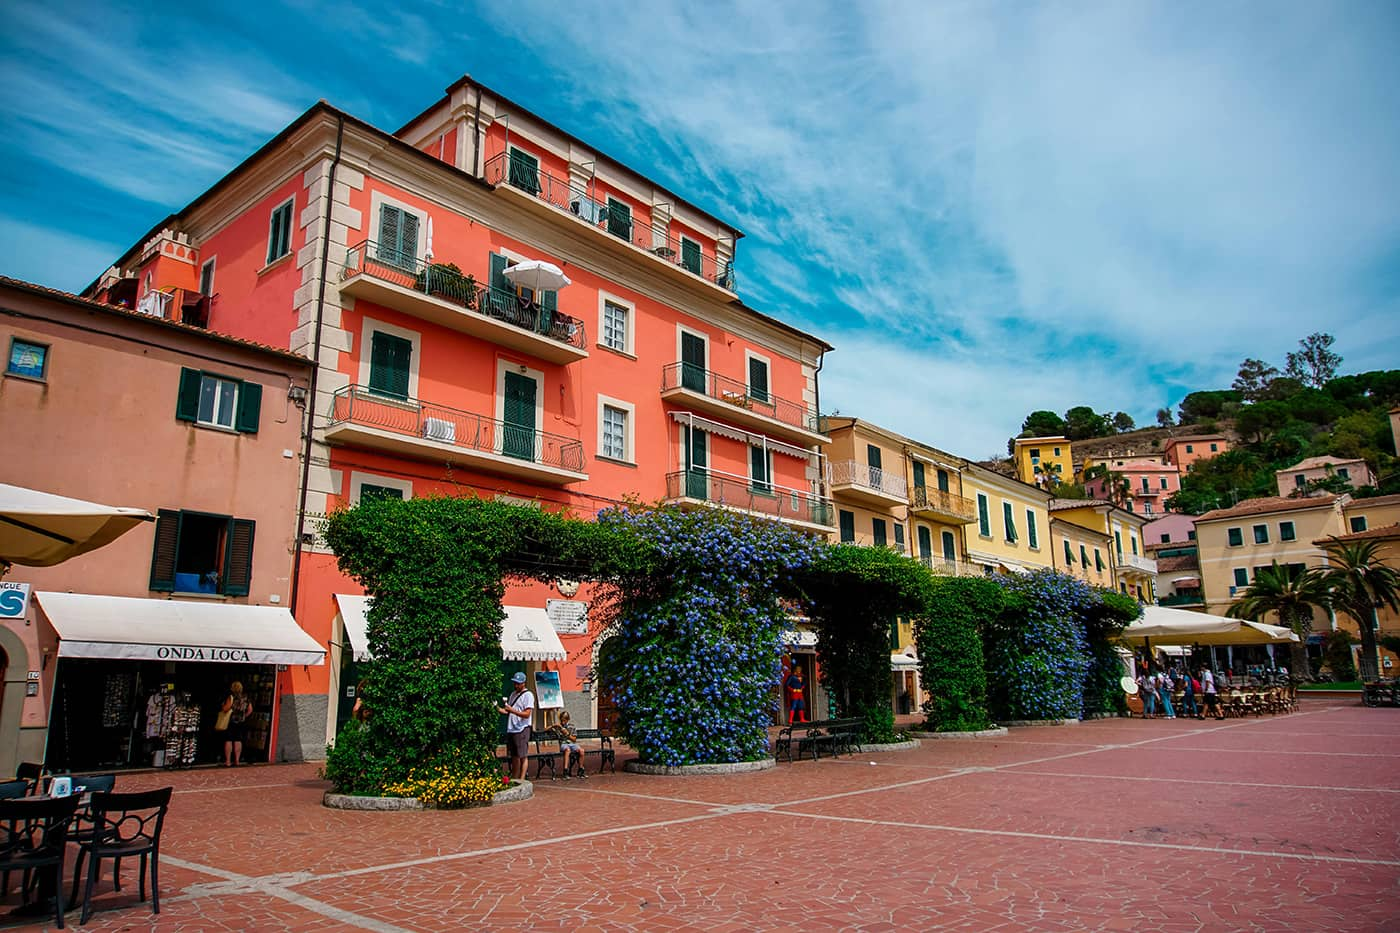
[[1105, 715], [724, 767], [513, 794], [890, 746], [1039, 722], [975, 734]]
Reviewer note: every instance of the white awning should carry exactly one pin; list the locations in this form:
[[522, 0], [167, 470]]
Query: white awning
[[352, 615], [905, 660], [738, 434], [528, 635], [176, 630], [1014, 568], [799, 638]]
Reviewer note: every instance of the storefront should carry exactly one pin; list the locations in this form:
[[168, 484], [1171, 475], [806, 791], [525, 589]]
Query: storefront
[[906, 696], [139, 682]]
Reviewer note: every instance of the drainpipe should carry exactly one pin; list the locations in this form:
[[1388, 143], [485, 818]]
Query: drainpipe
[[315, 370]]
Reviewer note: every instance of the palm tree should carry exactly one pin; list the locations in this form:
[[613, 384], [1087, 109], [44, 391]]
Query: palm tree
[[1360, 583], [1293, 594]]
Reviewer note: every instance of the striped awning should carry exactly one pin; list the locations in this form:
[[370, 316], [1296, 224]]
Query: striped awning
[[738, 434]]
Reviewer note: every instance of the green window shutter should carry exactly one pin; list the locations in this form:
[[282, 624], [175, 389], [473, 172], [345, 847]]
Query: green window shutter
[[518, 413], [1032, 537], [390, 221], [249, 407], [925, 543], [1084, 556], [370, 491], [692, 362], [899, 537], [758, 380], [950, 547], [408, 240], [690, 255], [942, 480], [389, 362], [187, 402], [984, 521], [848, 525], [524, 171], [167, 546], [894, 635], [1009, 520], [918, 475], [877, 531], [1098, 559], [238, 557], [619, 219], [1069, 554]]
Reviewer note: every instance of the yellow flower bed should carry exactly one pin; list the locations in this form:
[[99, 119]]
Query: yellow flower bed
[[447, 789]]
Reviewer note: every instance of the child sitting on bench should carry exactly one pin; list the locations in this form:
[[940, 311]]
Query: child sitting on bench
[[573, 752]]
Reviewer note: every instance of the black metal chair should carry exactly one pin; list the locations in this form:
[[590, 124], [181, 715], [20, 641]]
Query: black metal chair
[[13, 790], [85, 828], [32, 772], [35, 839], [125, 826]]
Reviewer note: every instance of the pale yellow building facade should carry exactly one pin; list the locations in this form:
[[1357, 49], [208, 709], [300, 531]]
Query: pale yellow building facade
[[1011, 533], [1038, 458]]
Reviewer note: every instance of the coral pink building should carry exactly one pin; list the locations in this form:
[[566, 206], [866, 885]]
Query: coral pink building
[[387, 259], [1183, 452], [1149, 483]]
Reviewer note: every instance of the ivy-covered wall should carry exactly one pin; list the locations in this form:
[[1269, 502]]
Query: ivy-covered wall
[[950, 651]]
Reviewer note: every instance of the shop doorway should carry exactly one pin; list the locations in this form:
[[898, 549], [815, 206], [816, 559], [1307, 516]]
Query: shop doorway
[[806, 662], [607, 705], [349, 691]]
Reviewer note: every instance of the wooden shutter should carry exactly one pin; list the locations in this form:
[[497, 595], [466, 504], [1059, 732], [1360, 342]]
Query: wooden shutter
[[238, 557], [249, 407], [619, 219], [872, 455], [524, 171], [925, 543], [918, 475], [370, 491], [877, 531], [942, 480], [984, 521], [518, 433], [950, 547], [389, 361], [408, 240], [1069, 553], [899, 537], [389, 222], [1084, 556], [758, 379], [167, 547], [758, 468], [848, 525], [187, 401], [690, 255], [692, 362], [1032, 536], [1009, 519]]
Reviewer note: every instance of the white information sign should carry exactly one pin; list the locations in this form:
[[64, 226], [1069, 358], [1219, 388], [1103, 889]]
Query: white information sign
[[568, 616], [14, 600]]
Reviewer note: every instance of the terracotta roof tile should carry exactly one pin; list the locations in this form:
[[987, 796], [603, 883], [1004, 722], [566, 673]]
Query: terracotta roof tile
[[1268, 504], [1370, 534], [1181, 562], [1058, 504], [1374, 500]]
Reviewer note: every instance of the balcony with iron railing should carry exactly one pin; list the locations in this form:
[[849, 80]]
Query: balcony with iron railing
[[736, 402], [868, 485], [184, 305], [428, 431], [1137, 563], [951, 568], [437, 292], [714, 489], [562, 194], [941, 505]]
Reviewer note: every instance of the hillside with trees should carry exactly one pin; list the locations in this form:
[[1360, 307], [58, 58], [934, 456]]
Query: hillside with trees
[[1274, 417]]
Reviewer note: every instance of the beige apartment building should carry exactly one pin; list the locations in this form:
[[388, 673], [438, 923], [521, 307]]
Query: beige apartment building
[[1082, 551], [1132, 571], [1011, 533], [1355, 472]]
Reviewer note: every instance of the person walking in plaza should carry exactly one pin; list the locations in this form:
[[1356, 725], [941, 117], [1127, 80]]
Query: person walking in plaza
[[519, 710], [1188, 696], [797, 700], [236, 708], [1164, 694], [1148, 694], [1208, 692]]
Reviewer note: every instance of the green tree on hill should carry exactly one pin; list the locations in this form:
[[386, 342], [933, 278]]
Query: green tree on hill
[[1314, 363], [1043, 424], [1253, 377]]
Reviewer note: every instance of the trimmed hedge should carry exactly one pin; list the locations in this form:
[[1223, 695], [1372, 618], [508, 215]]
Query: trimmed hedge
[[950, 651]]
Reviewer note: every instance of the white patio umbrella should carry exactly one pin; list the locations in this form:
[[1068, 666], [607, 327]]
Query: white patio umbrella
[[1161, 625], [537, 275], [39, 529]]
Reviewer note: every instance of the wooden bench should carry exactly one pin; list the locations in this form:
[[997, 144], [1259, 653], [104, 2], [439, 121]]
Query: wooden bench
[[836, 734]]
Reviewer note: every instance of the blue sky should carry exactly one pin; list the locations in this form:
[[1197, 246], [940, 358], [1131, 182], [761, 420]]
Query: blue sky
[[988, 207]]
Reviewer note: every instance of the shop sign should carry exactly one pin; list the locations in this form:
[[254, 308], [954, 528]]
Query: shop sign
[[14, 600], [568, 616], [188, 653]]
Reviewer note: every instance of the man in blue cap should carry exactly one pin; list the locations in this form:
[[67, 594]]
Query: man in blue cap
[[519, 711]]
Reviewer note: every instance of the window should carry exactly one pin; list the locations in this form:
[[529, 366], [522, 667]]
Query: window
[[950, 547], [1098, 560], [758, 379], [1164, 482], [1146, 487], [1286, 532], [1057, 451], [1259, 570], [942, 480], [984, 521], [390, 361], [524, 171], [619, 219], [1261, 534], [196, 552], [1190, 449], [760, 469], [1191, 535], [1358, 523], [1008, 520], [1084, 556], [1235, 537], [217, 401], [1118, 543], [1299, 480], [872, 460], [1241, 577], [690, 255], [919, 479], [398, 238], [925, 543], [1069, 553], [1032, 533], [206, 278], [1035, 453], [279, 232], [877, 531], [612, 441], [1214, 448], [371, 491], [899, 537], [27, 359], [615, 318], [1165, 537], [1132, 540], [369, 485], [848, 525]]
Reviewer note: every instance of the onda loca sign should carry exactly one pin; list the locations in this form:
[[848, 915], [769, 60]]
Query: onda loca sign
[[218, 654]]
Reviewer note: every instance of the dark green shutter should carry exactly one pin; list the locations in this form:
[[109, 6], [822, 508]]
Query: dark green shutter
[[238, 557], [619, 219], [984, 521], [758, 464], [408, 240], [925, 543], [877, 531], [518, 433], [389, 362], [894, 635], [1032, 535], [370, 491], [524, 171], [389, 218], [167, 547], [187, 402], [1069, 554], [942, 480], [690, 255], [919, 480], [1008, 519], [758, 380], [249, 407], [848, 525], [1084, 556], [692, 362], [1098, 559], [697, 479], [950, 547], [899, 537]]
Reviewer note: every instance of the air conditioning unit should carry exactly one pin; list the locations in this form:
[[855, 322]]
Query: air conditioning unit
[[440, 429]]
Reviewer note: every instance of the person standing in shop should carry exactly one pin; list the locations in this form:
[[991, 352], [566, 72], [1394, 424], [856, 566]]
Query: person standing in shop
[[237, 707], [519, 710]]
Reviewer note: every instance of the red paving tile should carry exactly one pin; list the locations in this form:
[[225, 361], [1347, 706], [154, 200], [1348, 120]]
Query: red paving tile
[[1116, 824]]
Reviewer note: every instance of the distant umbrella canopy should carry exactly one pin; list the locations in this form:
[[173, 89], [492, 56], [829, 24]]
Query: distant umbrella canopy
[[39, 529]]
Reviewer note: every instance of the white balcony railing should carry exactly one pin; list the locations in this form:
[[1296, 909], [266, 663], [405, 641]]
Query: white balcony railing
[[855, 473], [1137, 562]]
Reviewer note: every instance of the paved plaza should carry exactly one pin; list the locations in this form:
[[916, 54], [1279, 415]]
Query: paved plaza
[[1273, 823]]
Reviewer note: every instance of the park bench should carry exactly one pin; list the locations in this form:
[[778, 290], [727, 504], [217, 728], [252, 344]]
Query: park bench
[[607, 757], [545, 752], [838, 735]]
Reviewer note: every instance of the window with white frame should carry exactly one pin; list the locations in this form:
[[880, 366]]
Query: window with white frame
[[279, 231], [615, 320], [369, 485], [206, 278], [761, 469], [218, 401], [615, 421]]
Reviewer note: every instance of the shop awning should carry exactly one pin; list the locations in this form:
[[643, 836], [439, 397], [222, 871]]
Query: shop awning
[[352, 615], [799, 638], [528, 635], [1014, 568], [176, 630], [905, 660]]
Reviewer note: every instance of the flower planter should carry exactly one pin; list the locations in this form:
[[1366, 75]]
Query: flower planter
[[722, 767], [518, 791], [974, 734], [1039, 722], [890, 746]]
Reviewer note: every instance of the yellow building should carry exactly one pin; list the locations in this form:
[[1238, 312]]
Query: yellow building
[[1387, 537], [1012, 528], [1132, 571], [1081, 551], [939, 512], [1365, 514], [1037, 458]]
